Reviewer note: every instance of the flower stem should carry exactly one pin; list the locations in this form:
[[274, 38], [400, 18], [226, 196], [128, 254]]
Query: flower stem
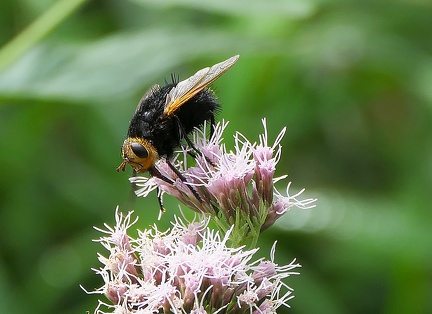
[[37, 30]]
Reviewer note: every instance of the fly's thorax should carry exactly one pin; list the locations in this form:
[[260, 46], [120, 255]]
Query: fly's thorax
[[139, 153]]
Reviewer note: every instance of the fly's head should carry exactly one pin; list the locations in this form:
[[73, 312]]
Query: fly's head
[[139, 153]]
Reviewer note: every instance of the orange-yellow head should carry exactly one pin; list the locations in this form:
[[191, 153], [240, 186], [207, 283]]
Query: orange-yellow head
[[139, 153]]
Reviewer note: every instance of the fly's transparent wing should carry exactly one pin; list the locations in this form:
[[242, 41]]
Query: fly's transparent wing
[[188, 88], [149, 93]]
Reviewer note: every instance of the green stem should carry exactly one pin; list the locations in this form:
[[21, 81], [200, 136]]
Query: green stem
[[37, 30]]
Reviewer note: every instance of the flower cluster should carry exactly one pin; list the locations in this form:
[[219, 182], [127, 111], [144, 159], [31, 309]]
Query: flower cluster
[[187, 269], [192, 268], [235, 187]]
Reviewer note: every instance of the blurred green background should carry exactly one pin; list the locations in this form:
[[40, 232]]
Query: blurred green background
[[352, 81]]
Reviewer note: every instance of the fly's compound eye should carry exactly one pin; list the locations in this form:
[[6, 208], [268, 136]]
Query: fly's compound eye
[[139, 150]]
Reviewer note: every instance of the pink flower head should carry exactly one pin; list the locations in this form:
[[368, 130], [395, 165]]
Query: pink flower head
[[202, 276], [235, 187]]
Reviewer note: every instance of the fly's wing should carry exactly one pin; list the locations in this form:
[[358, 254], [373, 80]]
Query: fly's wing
[[135, 125], [150, 92], [188, 88]]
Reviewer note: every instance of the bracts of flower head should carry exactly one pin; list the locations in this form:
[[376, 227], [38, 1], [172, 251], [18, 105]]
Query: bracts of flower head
[[236, 187], [187, 269]]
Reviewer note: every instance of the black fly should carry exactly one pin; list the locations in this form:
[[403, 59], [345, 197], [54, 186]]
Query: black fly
[[167, 115]]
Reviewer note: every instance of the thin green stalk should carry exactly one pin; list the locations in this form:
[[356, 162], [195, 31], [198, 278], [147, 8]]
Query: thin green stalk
[[37, 30]]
